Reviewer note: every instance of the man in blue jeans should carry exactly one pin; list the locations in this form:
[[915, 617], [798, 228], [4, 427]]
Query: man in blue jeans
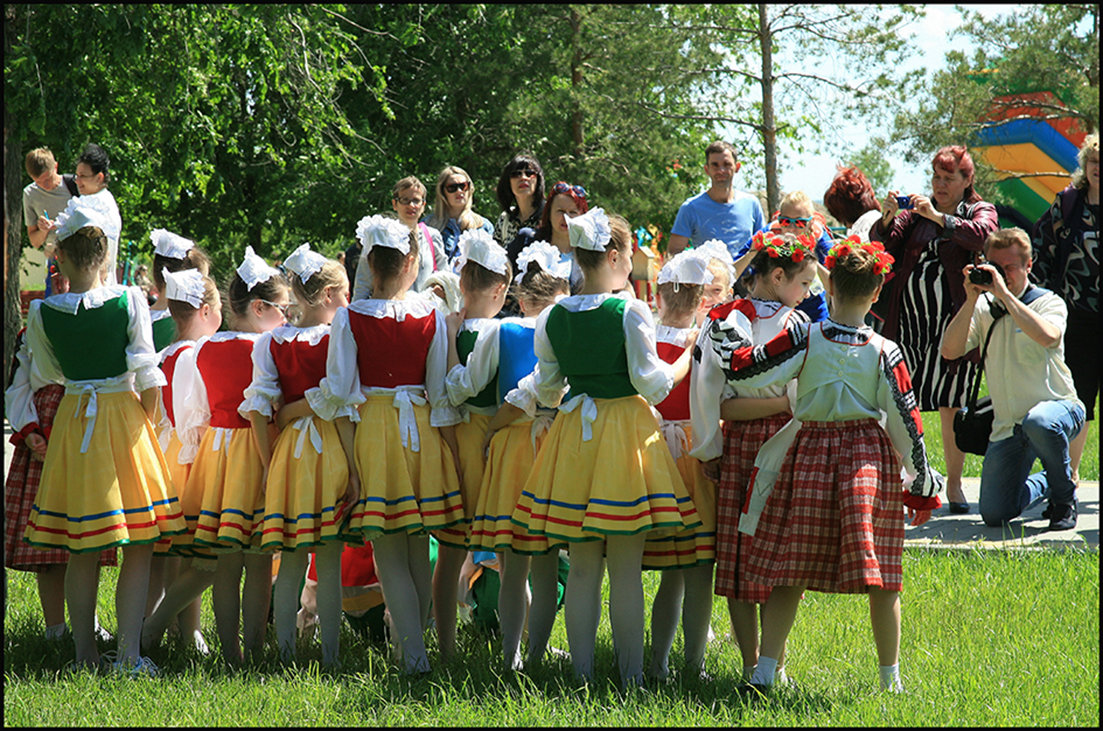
[[1036, 411]]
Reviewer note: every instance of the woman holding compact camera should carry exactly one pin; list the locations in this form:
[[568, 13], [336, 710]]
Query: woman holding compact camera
[[932, 239]]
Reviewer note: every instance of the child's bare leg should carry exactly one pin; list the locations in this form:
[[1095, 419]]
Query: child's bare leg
[[130, 599], [292, 570], [665, 610], [545, 601], [328, 563], [696, 616], [778, 615], [256, 598], [884, 614], [226, 601], [582, 604], [744, 621], [51, 594], [446, 579], [81, 583], [513, 602], [625, 554]]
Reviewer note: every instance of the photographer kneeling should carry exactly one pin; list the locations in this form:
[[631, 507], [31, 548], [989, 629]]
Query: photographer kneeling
[[1036, 411]]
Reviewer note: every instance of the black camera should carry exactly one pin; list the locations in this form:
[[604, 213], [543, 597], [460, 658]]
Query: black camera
[[983, 276], [904, 202]]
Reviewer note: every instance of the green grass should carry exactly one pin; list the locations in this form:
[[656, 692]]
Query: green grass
[[989, 639], [932, 435]]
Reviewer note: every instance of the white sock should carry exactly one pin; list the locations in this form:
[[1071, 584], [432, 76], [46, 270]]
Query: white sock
[[764, 671], [890, 677], [780, 676], [55, 632]]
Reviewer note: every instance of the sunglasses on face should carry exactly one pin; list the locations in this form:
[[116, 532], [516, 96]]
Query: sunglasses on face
[[788, 221], [453, 187], [410, 201], [523, 173], [562, 187], [282, 308]]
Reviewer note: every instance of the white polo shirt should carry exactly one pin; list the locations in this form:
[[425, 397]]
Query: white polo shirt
[[1020, 372]]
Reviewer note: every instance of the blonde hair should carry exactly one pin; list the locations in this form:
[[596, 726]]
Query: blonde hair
[[796, 198], [468, 218], [38, 161], [1005, 238], [332, 274], [680, 299], [410, 181], [182, 311], [620, 239], [1091, 144], [720, 270]]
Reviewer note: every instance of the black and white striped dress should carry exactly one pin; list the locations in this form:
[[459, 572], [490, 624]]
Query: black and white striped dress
[[925, 311]]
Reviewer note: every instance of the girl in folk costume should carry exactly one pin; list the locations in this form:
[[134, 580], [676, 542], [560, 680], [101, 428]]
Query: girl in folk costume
[[174, 253], [722, 267], [473, 389], [196, 309], [829, 524], [686, 558], [228, 471], [603, 480], [386, 366], [513, 437], [31, 402], [783, 267], [308, 487], [104, 481]]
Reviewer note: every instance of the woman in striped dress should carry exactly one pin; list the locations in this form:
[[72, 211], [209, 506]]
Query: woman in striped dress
[[932, 242]]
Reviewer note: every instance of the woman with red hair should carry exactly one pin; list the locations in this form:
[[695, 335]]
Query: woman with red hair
[[932, 240], [851, 200]]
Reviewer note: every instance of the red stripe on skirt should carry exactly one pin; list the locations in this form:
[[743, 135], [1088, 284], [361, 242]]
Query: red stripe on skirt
[[833, 524]]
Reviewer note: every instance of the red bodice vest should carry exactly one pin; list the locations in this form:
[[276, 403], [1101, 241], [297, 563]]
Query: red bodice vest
[[227, 370], [390, 352]]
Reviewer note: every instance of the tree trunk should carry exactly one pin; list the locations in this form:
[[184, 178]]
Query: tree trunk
[[576, 81], [13, 223], [769, 125]]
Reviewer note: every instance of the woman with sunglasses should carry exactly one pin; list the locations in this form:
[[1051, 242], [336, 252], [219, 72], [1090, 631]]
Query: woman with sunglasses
[[564, 201], [521, 196], [452, 214]]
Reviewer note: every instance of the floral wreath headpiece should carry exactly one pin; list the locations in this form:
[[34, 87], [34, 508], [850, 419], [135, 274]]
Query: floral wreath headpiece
[[777, 248], [852, 245]]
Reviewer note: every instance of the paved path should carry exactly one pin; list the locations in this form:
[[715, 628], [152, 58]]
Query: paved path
[[946, 531]]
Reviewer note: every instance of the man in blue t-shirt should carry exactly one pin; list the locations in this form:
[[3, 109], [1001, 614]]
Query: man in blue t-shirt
[[721, 212]]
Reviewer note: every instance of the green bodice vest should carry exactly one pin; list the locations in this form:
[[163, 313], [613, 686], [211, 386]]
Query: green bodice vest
[[465, 343], [590, 349], [91, 344]]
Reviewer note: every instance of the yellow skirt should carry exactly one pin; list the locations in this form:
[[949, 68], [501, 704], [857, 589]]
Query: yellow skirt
[[302, 493], [117, 492], [402, 491], [469, 438], [622, 481], [228, 481], [508, 464], [179, 475], [695, 546]]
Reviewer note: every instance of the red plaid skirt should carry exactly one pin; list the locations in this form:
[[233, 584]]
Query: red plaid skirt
[[20, 488], [742, 440], [835, 519]]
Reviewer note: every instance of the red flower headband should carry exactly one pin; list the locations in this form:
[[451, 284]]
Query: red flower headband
[[852, 245], [776, 247]]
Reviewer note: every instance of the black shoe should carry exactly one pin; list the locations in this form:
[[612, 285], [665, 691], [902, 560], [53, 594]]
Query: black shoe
[[958, 508], [1062, 517], [1048, 512]]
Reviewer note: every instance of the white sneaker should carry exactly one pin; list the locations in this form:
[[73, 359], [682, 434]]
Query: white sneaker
[[143, 668]]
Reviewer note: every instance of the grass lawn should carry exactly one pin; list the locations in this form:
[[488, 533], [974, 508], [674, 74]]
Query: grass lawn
[[989, 639]]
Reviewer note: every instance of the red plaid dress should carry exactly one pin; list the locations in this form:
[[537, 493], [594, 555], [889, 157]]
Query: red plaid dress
[[742, 440], [834, 521], [20, 488]]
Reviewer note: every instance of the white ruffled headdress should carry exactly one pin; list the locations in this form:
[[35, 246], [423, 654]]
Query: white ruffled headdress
[[185, 285], [686, 267], [548, 257], [717, 249], [480, 247], [255, 270], [166, 243], [590, 230], [84, 211], [304, 262], [383, 231]]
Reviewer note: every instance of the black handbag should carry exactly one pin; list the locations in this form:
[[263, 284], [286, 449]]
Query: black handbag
[[973, 424]]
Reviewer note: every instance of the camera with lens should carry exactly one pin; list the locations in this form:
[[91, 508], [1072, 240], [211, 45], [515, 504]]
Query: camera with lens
[[904, 202], [983, 276]]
